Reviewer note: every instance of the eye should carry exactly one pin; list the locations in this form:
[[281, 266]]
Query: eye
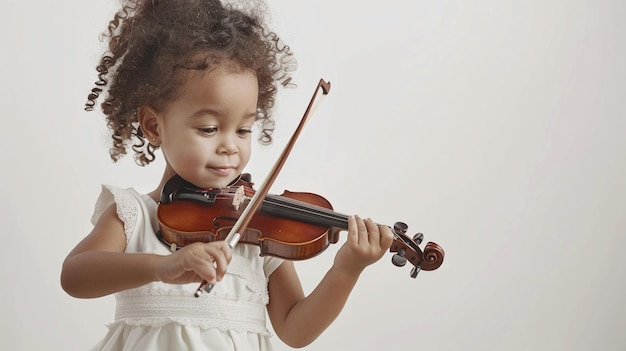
[[208, 130], [243, 132]]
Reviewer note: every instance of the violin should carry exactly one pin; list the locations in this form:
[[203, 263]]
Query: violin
[[294, 225]]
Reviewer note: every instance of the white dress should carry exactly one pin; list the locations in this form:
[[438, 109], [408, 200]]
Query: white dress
[[160, 316]]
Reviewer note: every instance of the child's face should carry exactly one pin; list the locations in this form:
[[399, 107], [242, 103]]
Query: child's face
[[205, 133]]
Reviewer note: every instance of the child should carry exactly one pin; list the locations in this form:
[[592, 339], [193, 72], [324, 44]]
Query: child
[[192, 77]]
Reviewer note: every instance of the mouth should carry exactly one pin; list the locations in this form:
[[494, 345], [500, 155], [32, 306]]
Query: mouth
[[222, 170]]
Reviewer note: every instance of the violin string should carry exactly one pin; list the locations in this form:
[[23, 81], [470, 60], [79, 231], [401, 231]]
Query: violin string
[[327, 214], [283, 202], [306, 208], [301, 207], [314, 213], [296, 204]]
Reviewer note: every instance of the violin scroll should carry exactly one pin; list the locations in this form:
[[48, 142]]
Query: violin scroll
[[407, 249]]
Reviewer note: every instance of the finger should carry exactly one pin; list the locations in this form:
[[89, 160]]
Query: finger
[[227, 251], [221, 258], [373, 233], [204, 266], [352, 238], [386, 237], [362, 230], [222, 255]]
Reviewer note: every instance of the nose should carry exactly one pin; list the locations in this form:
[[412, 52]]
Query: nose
[[227, 146]]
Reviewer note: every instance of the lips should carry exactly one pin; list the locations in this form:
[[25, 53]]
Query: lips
[[222, 170]]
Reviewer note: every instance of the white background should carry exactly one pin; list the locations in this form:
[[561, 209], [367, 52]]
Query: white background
[[496, 128]]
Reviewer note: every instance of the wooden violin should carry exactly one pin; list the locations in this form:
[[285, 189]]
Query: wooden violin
[[293, 226]]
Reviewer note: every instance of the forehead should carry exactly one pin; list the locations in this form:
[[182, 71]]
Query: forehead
[[223, 68], [225, 86]]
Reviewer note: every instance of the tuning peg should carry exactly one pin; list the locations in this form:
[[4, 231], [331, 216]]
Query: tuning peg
[[398, 259], [400, 227], [418, 238], [414, 271]]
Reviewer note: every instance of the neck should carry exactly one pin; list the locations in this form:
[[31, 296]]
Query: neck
[[167, 175]]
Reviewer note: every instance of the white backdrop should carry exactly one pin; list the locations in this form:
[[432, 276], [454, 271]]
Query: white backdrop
[[496, 128]]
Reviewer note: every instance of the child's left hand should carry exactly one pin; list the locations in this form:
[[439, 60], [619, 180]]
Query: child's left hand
[[366, 243]]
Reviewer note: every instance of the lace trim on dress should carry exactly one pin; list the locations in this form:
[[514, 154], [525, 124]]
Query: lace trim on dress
[[202, 324], [157, 307], [127, 207]]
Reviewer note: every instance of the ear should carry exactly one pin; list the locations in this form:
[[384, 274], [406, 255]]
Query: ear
[[149, 123]]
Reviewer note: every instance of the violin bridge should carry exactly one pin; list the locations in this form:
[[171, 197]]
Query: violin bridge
[[238, 197]]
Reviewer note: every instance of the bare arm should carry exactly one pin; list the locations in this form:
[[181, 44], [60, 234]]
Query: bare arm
[[98, 265], [299, 320]]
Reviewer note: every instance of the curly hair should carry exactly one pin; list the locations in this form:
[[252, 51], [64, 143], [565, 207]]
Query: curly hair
[[153, 43]]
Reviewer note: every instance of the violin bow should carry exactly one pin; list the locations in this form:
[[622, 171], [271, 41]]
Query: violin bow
[[242, 222]]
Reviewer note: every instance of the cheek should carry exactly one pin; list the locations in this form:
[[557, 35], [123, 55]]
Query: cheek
[[245, 151], [183, 154]]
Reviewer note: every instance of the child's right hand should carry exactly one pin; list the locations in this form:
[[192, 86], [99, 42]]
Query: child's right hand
[[194, 263]]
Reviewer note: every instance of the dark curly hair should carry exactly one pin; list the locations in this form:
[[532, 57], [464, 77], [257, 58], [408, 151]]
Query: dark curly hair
[[153, 43]]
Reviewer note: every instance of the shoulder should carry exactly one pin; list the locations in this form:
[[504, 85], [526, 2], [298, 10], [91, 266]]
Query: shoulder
[[115, 204], [111, 195]]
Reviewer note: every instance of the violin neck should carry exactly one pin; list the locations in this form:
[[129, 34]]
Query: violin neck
[[284, 207], [301, 211]]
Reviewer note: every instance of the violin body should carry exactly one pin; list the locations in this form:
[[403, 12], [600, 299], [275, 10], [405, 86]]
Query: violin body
[[210, 216], [293, 226]]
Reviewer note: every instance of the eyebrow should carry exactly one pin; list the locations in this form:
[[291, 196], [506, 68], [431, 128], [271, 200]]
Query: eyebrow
[[208, 111], [204, 111]]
